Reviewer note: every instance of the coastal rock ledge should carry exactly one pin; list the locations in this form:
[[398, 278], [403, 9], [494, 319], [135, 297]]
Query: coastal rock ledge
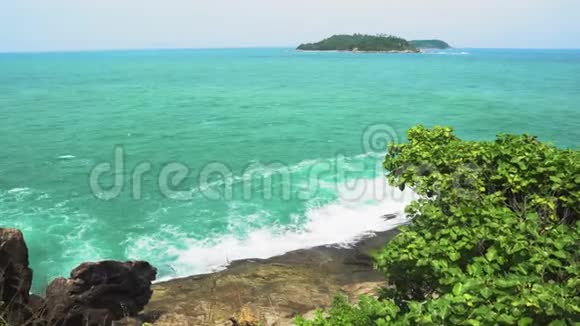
[[100, 293], [15, 276], [251, 292], [269, 292], [95, 294]]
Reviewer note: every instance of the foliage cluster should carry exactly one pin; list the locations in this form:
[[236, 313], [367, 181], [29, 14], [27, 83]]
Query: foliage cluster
[[493, 241], [360, 42], [430, 44]]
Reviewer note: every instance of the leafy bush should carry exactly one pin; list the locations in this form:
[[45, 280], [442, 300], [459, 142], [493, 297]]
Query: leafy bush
[[494, 240]]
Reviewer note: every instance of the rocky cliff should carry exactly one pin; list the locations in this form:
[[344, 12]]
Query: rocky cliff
[[248, 293]]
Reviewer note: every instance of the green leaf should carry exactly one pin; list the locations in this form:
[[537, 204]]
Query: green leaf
[[491, 254], [454, 256], [457, 289], [485, 292]]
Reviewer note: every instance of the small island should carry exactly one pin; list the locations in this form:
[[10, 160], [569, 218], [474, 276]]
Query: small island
[[430, 44], [361, 43], [372, 43]]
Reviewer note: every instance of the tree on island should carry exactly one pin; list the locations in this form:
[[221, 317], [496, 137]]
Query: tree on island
[[430, 44], [360, 42]]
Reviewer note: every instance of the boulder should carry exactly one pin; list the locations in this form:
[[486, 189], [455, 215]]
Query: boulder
[[15, 275], [99, 293]]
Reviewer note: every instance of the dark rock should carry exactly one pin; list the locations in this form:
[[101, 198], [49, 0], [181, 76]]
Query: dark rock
[[15, 275], [387, 217], [36, 303], [99, 293]]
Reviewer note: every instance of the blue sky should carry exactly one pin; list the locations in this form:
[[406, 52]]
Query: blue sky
[[55, 25]]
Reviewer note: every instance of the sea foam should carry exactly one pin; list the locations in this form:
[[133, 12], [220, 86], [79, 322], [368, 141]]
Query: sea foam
[[339, 223], [66, 157]]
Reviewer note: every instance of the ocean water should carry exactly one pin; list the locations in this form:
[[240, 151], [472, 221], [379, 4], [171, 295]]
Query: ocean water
[[192, 158]]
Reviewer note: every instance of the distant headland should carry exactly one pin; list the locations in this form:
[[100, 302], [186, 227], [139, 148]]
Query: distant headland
[[430, 44], [372, 43]]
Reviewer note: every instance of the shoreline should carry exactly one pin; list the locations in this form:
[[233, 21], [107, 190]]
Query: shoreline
[[270, 291], [337, 223], [359, 51]]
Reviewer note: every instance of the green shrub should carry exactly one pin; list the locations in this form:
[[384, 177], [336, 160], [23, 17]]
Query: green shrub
[[494, 240]]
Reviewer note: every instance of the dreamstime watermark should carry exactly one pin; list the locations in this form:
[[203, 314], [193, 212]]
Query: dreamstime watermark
[[219, 181], [349, 176]]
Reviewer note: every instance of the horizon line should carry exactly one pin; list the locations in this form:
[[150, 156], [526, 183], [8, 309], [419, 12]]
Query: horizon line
[[96, 50]]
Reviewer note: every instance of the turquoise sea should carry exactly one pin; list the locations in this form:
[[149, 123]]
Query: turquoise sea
[[241, 152]]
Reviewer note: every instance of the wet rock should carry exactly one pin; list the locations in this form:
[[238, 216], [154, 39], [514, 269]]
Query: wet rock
[[246, 317], [388, 217], [15, 276], [271, 291], [99, 293]]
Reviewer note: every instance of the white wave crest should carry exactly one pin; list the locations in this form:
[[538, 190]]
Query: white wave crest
[[66, 157], [339, 223], [448, 53], [19, 190]]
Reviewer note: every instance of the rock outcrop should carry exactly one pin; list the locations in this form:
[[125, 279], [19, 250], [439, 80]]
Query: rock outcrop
[[95, 294], [268, 291], [15, 276], [99, 293], [250, 292]]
